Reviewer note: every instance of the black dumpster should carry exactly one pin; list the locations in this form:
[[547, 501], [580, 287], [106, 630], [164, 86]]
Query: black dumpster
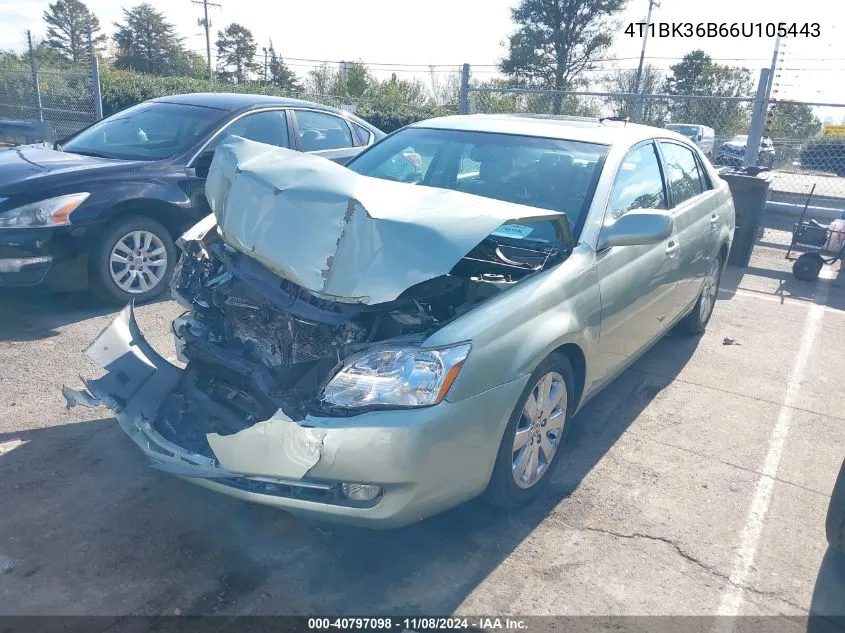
[[749, 187], [15, 132]]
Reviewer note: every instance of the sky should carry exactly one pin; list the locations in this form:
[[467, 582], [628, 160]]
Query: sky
[[405, 37]]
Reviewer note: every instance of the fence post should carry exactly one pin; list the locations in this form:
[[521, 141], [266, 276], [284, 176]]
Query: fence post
[[758, 119], [35, 83], [463, 101], [95, 79]]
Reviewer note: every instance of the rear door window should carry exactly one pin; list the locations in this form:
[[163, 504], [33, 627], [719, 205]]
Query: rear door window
[[321, 131]]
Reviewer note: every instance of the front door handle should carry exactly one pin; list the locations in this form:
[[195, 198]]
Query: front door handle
[[672, 249]]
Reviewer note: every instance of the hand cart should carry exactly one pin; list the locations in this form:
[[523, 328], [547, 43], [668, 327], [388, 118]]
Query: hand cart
[[821, 245]]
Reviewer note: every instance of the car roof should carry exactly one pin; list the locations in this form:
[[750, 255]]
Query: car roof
[[232, 101], [565, 128]]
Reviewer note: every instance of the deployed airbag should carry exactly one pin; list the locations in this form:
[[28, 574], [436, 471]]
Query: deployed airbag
[[341, 235]]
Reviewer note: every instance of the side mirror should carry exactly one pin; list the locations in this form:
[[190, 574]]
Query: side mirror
[[203, 162], [636, 228]]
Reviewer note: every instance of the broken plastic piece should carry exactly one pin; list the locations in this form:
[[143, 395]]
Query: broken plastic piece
[[277, 447]]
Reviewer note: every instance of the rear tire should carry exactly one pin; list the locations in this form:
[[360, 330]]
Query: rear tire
[[835, 525], [503, 490], [153, 257], [696, 321]]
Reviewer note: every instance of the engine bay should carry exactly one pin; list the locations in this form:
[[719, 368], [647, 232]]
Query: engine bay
[[256, 343]]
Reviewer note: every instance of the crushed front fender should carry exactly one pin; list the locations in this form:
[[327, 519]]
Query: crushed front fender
[[136, 382]]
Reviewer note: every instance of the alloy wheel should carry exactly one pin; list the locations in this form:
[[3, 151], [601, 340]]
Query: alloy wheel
[[138, 262], [708, 292], [539, 431]]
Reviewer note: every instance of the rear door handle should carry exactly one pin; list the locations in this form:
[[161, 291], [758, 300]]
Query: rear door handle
[[672, 249]]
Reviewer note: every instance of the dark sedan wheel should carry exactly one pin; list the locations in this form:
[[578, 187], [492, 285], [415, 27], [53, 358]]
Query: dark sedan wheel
[[133, 260], [836, 514], [531, 444]]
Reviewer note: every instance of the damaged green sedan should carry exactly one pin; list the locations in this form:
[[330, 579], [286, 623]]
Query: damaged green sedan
[[379, 342]]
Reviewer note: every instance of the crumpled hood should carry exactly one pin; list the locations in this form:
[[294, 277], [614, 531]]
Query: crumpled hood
[[345, 236]]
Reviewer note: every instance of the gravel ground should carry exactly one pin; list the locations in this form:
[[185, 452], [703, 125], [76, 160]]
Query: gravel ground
[[696, 484]]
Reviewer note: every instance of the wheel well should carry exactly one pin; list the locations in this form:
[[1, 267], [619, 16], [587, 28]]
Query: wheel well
[[576, 358], [173, 219], [723, 253]]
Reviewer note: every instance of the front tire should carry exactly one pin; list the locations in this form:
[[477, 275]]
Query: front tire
[[132, 261], [528, 453], [696, 321]]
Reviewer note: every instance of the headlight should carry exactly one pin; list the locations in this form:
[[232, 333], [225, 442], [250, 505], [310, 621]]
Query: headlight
[[50, 212], [396, 376]]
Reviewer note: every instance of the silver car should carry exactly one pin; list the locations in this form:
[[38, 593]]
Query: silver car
[[379, 342]]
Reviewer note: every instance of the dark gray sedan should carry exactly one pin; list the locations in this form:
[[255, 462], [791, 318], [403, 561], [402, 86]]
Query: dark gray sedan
[[103, 207]]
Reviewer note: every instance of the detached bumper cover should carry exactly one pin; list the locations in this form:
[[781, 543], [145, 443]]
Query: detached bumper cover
[[426, 460]]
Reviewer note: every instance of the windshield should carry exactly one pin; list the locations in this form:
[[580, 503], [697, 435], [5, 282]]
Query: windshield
[[147, 131], [690, 131], [739, 140], [547, 173]]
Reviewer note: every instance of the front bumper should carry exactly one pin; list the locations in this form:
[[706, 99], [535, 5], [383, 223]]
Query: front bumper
[[425, 460], [55, 256]]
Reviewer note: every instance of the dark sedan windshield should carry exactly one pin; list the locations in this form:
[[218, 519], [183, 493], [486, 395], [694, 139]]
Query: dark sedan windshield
[[147, 131], [547, 173]]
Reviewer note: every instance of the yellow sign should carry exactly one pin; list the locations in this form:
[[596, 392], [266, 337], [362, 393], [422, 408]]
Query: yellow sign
[[830, 129]]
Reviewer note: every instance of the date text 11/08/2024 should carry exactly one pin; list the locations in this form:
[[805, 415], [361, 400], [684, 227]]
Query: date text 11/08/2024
[[723, 29], [417, 623]]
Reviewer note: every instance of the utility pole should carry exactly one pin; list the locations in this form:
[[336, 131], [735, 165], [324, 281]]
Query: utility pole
[[203, 21], [95, 78], [264, 48], [638, 103], [772, 71], [36, 84]]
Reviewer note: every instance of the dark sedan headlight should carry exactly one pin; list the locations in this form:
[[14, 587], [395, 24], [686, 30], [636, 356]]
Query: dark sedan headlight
[[50, 212]]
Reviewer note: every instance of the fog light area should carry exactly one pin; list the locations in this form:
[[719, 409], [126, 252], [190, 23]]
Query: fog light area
[[360, 492]]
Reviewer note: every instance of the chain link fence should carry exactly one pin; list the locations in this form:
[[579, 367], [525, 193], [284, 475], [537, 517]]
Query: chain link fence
[[793, 145], [62, 99]]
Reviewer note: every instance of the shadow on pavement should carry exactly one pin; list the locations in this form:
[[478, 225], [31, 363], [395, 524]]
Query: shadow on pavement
[[827, 606], [28, 314], [139, 542]]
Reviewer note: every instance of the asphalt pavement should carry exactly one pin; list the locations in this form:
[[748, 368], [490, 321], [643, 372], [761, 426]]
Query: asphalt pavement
[[696, 484]]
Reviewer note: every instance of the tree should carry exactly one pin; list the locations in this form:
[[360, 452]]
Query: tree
[[625, 81], [696, 74], [446, 90], [68, 22], [280, 74], [792, 121], [147, 41], [557, 41], [354, 82], [236, 53], [186, 63], [321, 80]]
